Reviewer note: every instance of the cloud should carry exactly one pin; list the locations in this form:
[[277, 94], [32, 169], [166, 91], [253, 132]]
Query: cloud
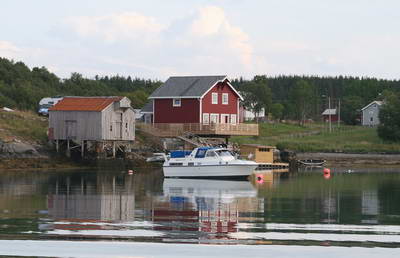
[[116, 27], [204, 41], [212, 22]]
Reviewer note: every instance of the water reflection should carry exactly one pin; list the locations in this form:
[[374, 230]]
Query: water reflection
[[210, 208], [282, 208]]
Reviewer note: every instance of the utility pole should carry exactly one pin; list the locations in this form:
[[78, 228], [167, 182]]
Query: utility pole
[[338, 121], [330, 116]]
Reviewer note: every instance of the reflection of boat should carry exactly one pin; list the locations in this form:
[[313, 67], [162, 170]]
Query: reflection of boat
[[208, 188], [204, 205], [311, 162], [207, 162]]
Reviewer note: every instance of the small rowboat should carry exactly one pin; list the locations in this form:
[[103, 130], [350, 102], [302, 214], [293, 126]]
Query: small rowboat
[[311, 162]]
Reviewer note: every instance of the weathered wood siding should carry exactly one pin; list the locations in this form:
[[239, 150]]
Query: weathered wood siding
[[118, 124], [75, 125]]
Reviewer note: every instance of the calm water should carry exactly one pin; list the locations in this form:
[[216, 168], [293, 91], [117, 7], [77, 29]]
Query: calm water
[[299, 211]]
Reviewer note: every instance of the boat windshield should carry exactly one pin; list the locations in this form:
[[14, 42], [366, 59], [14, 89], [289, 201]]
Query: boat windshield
[[224, 153]]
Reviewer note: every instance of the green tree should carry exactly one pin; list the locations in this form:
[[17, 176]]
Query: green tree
[[351, 109], [389, 116], [301, 100], [277, 111], [257, 95]]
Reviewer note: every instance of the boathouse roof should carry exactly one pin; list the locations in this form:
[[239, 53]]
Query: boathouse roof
[[84, 103]]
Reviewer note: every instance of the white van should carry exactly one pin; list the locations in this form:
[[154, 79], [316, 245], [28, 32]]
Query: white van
[[46, 103]]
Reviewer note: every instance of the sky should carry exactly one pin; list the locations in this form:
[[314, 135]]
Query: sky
[[156, 39]]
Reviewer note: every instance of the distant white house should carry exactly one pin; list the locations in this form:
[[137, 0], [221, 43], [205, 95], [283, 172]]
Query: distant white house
[[370, 113], [248, 115]]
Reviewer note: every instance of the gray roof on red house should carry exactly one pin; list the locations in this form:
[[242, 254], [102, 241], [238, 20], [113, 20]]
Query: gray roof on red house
[[186, 86]]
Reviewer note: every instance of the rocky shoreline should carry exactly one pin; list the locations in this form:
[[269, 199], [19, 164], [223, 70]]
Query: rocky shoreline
[[20, 155]]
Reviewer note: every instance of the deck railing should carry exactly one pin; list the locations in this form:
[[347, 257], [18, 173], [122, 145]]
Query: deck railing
[[173, 130]]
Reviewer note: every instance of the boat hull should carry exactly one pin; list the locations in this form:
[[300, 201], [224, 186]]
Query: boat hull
[[225, 171]]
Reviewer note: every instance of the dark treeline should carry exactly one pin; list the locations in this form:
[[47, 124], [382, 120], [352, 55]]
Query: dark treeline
[[22, 88], [306, 97]]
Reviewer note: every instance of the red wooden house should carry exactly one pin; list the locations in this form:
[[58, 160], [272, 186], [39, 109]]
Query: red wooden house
[[330, 114], [196, 100]]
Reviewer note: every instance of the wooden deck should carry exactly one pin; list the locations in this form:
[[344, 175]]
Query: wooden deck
[[174, 130]]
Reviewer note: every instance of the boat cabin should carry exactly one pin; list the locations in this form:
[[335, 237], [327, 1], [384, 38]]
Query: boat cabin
[[202, 152]]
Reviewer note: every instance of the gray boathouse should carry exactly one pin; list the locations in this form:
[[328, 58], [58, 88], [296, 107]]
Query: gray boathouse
[[98, 123]]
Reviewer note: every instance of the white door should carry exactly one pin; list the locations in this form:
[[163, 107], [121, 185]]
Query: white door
[[206, 118]]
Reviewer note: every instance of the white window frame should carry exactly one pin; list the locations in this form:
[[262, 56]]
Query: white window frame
[[233, 119], [225, 101], [206, 118], [176, 105], [214, 118], [214, 98]]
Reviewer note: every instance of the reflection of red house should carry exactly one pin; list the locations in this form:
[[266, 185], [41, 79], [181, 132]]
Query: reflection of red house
[[196, 99], [330, 113]]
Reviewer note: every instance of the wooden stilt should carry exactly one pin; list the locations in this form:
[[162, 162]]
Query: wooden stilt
[[57, 146], [113, 149], [68, 150], [82, 148]]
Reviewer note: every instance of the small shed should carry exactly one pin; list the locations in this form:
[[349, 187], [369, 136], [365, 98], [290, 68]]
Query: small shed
[[332, 113], [92, 119], [370, 113], [258, 153]]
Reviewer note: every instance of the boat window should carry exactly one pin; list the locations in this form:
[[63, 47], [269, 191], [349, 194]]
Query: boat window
[[224, 153], [211, 154], [201, 153], [175, 164]]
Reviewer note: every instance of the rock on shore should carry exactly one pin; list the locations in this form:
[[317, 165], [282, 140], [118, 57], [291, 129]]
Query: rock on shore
[[19, 150]]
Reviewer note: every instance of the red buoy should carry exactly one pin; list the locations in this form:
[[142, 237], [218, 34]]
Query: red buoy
[[260, 178], [327, 171], [130, 171], [327, 175]]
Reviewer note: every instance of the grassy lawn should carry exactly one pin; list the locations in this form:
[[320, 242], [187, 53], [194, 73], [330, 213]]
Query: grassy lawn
[[21, 125], [316, 138]]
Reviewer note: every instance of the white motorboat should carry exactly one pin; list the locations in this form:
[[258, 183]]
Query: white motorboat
[[207, 162]]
